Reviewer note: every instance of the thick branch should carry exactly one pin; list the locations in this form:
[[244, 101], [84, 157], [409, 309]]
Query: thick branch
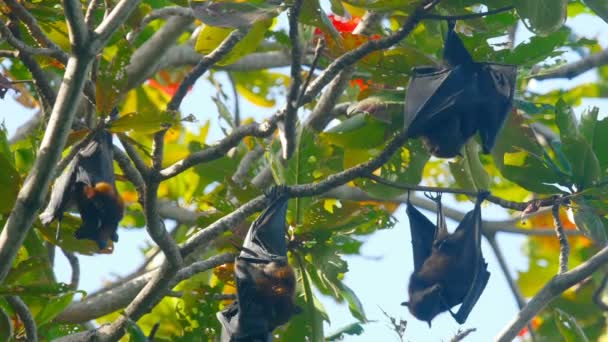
[[112, 21], [78, 30], [552, 289], [34, 190], [107, 301], [148, 56]]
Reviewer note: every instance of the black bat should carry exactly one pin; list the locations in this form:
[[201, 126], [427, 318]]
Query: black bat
[[89, 183], [447, 105], [449, 269], [265, 281]]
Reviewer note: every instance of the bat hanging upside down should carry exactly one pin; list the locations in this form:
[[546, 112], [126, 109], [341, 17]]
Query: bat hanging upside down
[[265, 281], [89, 183], [449, 269], [447, 105]]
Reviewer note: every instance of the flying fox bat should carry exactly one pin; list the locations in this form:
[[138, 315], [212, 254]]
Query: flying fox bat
[[89, 183], [447, 105], [449, 269], [265, 281]]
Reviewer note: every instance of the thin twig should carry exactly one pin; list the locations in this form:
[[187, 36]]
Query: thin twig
[[291, 110], [599, 294], [75, 265], [161, 13], [519, 299], [462, 334], [311, 72], [468, 15], [25, 316], [19, 45], [90, 13], [564, 249], [32, 24]]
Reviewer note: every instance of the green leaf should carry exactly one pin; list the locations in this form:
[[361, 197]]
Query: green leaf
[[112, 76], [535, 50], [542, 16], [260, 87], [519, 158], [135, 333], [565, 120], [596, 134], [313, 14], [210, 37], [568, 327], [10, 180], [6, 328], [360, 131], [354, 304], [586, 170], [469, 172], [53, 308], [600, 7], [351, 330], [588, 221], [234, 14], [144, 122]]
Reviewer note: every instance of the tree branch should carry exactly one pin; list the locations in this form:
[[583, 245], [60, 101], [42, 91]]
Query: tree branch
[[75, 265], [112, 21], [291, 110], [25, 316], [556, 286], [32, 24], [35, 188], [21, 46], [574, 69], [564, 247], [77, 29], [110, 300], [146, 59]]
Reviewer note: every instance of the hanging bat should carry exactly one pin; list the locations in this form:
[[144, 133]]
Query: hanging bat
[[447, 105], [449, 269], [89, 184], [265, 281]]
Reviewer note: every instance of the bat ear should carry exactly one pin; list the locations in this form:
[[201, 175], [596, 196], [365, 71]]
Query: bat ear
[[405, 304]]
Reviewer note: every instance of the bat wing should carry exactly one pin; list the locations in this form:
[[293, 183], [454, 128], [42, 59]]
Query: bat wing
[[423, 233], [497, 85], [61, 194], [434, 97], [481, 274], [96, 160], [265, 240]]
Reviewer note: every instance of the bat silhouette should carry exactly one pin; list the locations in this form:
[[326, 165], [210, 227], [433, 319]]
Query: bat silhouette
[[447, 105], [265, 281], [449, 269], [89, 183]]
